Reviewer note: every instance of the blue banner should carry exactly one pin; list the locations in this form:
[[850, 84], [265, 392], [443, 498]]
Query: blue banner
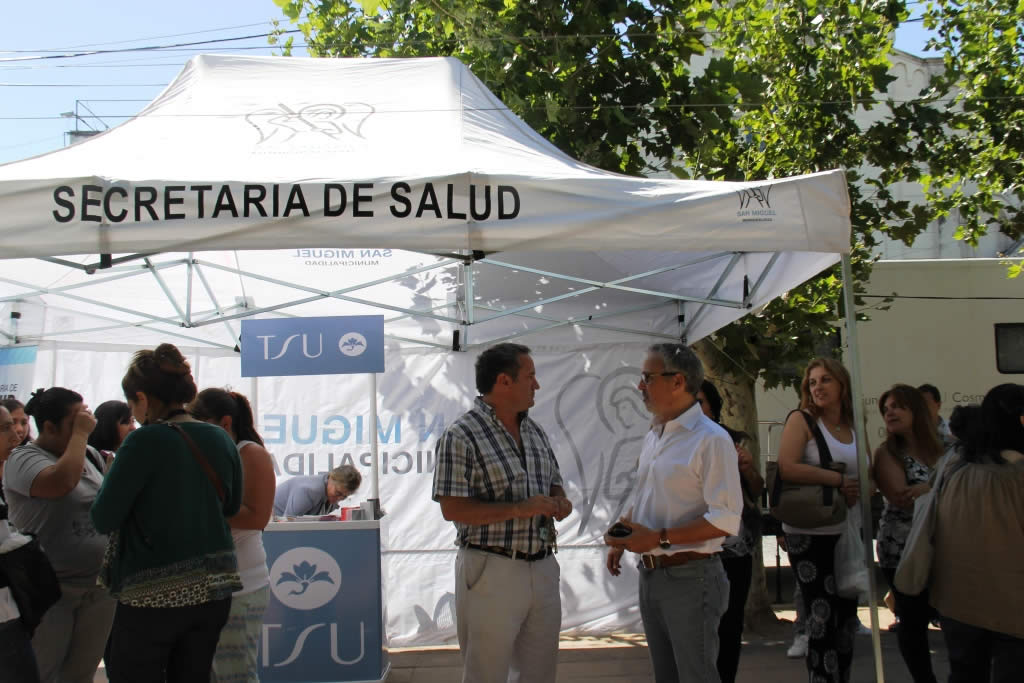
[[324, 618], [17, 368], [336, 345]]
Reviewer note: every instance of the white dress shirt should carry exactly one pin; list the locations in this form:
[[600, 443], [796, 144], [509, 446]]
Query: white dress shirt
[[690, 470]]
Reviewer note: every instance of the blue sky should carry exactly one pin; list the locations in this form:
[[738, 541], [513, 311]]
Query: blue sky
[[114, 86]]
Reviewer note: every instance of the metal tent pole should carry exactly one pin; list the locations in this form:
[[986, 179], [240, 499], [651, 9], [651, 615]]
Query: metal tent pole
[[374, 459], [853, 361]]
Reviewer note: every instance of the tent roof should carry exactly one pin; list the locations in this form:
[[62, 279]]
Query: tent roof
[[388, 125], [274, 153]]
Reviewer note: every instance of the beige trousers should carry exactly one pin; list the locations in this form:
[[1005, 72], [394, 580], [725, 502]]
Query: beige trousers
[[508, 615]]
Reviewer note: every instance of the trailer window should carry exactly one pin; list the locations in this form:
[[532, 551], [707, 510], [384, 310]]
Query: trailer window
[[1010, 348]]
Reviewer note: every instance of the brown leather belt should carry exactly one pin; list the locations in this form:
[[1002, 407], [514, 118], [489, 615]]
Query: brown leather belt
[[514, 554], [673, 560]]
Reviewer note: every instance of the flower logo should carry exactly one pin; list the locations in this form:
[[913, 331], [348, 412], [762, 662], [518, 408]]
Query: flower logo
[[305, 578], [305, 574], [352, 344]]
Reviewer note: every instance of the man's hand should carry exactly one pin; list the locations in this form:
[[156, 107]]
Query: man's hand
[[564, 508], [614, 561], [84, 422], [640, 541], [541, 505]]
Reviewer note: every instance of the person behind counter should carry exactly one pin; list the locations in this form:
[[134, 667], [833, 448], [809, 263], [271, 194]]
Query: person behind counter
[[316, 495]]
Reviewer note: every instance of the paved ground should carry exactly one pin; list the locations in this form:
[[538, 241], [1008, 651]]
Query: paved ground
[[623, 659]]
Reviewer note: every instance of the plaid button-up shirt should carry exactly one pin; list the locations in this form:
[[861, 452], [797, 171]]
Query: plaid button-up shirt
[[478, 458]]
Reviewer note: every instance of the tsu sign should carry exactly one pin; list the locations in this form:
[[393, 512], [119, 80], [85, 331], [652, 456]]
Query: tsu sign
[[337, 345], [324, 620]]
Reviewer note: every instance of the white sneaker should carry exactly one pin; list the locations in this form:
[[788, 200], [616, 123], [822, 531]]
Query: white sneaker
[[799, 647]]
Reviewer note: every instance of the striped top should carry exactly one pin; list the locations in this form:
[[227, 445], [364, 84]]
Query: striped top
[[478, 458]]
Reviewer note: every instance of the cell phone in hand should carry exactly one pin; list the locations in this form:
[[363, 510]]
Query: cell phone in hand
[[619, 530]]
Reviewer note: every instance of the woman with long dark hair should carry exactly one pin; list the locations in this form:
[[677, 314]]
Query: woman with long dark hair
[[826, 398], [235, 660], [978, 566], [114, 422], [903, 465], [165, 501]]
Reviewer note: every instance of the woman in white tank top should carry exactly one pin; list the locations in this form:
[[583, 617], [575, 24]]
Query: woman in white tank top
[[235, 660], [831, 620]]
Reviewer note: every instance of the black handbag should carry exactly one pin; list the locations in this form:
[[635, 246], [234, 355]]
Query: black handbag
[[807, 506], [32, 582]]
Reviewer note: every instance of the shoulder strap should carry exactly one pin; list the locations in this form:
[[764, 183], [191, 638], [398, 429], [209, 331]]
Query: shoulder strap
[[204, 464], [824, 455]]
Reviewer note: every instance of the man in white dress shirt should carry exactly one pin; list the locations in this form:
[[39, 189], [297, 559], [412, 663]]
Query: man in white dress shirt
[[686, 501]]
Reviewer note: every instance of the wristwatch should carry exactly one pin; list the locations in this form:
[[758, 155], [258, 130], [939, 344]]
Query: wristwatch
[[663, 539]]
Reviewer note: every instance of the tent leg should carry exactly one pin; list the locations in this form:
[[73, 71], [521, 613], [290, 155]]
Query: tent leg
[[374, 458], [853, 361], [464, 305]]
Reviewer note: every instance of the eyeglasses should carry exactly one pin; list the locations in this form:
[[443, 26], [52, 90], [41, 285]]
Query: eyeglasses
[[646, 377]]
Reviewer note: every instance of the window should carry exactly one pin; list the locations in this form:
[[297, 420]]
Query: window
[[1010, 348]]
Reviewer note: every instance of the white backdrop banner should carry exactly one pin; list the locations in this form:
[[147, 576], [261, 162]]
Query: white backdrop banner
[[588, 404]]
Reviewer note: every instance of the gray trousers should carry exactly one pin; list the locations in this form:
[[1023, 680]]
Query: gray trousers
[[681, 607], [69, 641], [508, 615]]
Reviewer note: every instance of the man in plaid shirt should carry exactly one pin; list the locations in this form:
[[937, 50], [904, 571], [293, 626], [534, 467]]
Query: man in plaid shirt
[[497, 479]]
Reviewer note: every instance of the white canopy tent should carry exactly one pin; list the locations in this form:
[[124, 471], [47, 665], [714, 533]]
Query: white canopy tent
[[287, 186]]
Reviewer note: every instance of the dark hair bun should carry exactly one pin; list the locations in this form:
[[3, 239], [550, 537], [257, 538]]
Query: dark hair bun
[[162, 373], [169, 359], [33, 402]]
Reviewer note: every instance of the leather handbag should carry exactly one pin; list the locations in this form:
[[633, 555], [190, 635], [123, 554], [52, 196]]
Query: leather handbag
[[807, 506], [915, 567]]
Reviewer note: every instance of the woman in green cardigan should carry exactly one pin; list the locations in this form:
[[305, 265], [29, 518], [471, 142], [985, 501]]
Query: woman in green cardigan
[[171, 561]]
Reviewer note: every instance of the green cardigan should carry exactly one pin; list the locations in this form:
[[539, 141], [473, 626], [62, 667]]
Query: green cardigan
[[173, 546]]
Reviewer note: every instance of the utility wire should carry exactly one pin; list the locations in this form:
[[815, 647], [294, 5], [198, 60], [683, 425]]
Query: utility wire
[[544, 38], [169, 35], [83, 85], [108, 65], [147, 48], [942, 298]]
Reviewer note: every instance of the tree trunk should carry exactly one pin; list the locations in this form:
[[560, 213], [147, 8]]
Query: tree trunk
[[739, 411]]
